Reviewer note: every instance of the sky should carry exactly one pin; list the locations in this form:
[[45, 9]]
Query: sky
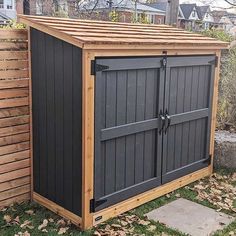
[[212, 3]]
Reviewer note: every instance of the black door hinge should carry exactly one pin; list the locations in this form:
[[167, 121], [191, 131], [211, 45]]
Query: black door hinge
[[208, 160], [96, 203], [97, 67], [215, 62], [164, 63]]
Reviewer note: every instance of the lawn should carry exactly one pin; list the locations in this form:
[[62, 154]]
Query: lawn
[[217, 192]]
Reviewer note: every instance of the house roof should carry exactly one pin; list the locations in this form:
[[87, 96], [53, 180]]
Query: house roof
[[4, 17], [202, 10], [122, 5], [104, 35], [187, 9], [161, 5]]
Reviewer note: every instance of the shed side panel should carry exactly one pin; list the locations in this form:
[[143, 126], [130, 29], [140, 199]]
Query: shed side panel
[[57, 120]]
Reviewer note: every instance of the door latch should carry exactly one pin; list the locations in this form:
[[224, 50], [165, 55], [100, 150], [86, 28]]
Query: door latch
[[168, 118], [162, 121]]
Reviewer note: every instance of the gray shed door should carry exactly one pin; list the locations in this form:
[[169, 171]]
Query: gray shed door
[[188, 93], [134, 149], [127, 140]]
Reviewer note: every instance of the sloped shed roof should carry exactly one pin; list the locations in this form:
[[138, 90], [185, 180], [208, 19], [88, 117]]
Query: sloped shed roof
[[105, 35]]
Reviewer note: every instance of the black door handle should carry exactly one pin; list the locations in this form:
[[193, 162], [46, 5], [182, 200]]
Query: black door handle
[[162, 121], [168, 118]]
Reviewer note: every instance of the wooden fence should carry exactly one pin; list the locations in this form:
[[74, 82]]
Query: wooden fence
[[14, 117]]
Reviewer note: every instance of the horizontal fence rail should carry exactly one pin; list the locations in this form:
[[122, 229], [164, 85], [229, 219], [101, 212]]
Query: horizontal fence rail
[[14, 117]]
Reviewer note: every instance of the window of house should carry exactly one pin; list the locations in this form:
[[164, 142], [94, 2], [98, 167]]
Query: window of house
[[207, 15], [1, 4], [194, 13], [9, 4], [39, 7]]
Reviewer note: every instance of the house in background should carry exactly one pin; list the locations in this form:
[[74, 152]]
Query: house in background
[[124, 11], [7, 10], [226, 24], [206, 18], [189, 16], [42, 7], [4, 20]]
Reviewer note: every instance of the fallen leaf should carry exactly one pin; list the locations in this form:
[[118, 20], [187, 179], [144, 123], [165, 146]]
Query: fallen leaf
[[51, 220], [26, 224], [16, 220], [61, 222], [152, 228], [26, 233], [29, 212], [116, 226], [143, 222], [96, 233], [168, 195], [177, 195], [4, 209], [7, 218], [63, 230], [43, 225], [44, 230], [123, 223]]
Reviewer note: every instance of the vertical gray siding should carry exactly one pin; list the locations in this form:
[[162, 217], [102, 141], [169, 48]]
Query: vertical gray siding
[[57, 120], [124, 157], [186, 142]]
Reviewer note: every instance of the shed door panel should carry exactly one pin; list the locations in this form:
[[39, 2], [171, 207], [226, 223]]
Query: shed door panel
[[127, 141], [189, 83]]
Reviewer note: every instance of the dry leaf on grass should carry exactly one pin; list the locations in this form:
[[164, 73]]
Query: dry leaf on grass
[[26, 233], [29, 212], [218, 190], [44, 230], [51, 220], [96, 233], [168, 195], [61, 222], [152, 228], [7, 218], [27, 224], [144, 222], [63, 230], [16, 220], [43, 225]]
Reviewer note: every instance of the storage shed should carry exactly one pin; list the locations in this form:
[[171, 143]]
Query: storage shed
[[121, 113]]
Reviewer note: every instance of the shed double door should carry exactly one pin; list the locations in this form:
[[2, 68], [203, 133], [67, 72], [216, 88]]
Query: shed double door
[[152, 123]]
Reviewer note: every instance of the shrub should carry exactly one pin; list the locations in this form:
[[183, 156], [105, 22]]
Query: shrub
[[226, 115], [13, 25], [218, 34]]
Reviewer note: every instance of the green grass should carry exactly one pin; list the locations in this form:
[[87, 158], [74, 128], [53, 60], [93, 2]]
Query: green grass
[[138, 229]]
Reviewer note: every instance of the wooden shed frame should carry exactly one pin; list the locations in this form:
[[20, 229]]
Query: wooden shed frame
[[90, 52]]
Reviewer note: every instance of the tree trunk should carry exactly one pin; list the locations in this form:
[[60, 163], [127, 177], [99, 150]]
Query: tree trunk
[[172, 10]]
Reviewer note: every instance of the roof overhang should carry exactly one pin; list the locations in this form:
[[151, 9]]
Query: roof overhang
[[115, 35]]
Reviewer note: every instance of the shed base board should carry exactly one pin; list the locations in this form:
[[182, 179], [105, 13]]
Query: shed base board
[[57, 209], [140, 199]]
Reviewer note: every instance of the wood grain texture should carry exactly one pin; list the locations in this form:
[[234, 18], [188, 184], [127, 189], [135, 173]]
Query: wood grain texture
[[14, 117], [94, 34], [57, 209], [88, 140]]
